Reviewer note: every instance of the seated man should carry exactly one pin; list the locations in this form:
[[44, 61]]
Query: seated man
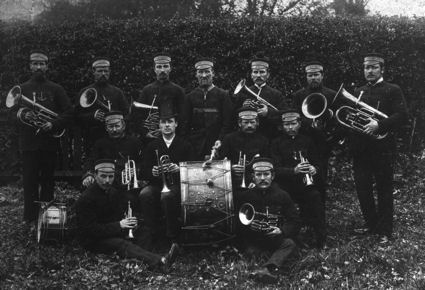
[[268, 220], [102, 228], [297, 172]]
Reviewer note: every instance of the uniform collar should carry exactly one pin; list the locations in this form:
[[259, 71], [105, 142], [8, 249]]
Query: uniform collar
[[380, 80]]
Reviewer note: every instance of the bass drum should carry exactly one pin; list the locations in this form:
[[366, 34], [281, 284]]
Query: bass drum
[[206, 203], [51, 222]]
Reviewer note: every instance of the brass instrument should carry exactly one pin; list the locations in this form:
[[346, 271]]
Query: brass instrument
[[129, 214], [315, 107], [264, 222], [242, 87], [163, 164], [42, 115], [242, 161], [129, 175], [151, 123], [89, 97], [358, 116], [308, 178]]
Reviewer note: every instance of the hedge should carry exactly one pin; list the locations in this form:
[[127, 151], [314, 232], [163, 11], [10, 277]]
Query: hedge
[[131, 45]]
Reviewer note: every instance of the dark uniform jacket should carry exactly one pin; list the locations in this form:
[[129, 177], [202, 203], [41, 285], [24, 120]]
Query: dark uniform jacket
[[278, 202], [53, 97], [180, 150], [284, 152], [98, 214], [209, 117], [388, 99], [249, 144]]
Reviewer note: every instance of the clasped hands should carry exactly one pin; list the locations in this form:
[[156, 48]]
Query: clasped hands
[[166, 168]]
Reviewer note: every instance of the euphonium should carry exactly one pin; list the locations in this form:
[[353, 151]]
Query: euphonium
[[42, 115], [89, 97], [264, 222], [242, 87], [128, 215], [315, 107], [163, 163], [358, 116], [151, 123], [129, 175], [308, 178]]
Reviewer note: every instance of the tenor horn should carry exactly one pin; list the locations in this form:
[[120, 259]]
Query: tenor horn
[[315, 106], [242, 87], [264, 222], [89, 98]]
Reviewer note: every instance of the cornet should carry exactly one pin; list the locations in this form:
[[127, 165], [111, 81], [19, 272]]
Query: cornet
[[129, 214], [242, 161], [308, 178], [128, 175], [264, 222], [163, 164]]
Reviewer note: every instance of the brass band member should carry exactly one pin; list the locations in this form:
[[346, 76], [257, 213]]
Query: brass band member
[[246, 141], [102, 224], [260, 73], [373, 159], [38, 146], [274, 224], [209, 110], [91, 118], [160, 167], [297, 172], [162, 93]]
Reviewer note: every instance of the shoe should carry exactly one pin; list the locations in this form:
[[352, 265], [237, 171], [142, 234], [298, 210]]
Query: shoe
[[363, 230], [263, 275], [383, 239], [170, 258]]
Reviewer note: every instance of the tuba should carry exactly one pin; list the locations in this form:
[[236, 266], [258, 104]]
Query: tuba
[[42, 115], [163, 164], [242, 87], [151, 123], [263, 222], [315, 107], [89, 97], [128, 175], [356, 117]]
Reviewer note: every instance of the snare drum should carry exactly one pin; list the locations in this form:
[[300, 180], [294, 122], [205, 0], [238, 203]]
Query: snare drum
[[206, 202], [51, 222]]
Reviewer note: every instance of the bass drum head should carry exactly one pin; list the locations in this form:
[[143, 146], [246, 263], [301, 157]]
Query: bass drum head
[[51, 223]]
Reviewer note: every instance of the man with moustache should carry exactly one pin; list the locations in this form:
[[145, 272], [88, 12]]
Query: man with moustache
[[260, 73], [274, 225], [163, 94], [103, 223], [209, 111], [91, 119], [373, 158], [38, 145]]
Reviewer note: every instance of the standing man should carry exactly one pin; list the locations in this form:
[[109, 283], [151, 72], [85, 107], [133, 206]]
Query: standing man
[[274, 225], [260, 73], [163, 94], [209, 111], [38, 145], [373, 158], [92, 117]]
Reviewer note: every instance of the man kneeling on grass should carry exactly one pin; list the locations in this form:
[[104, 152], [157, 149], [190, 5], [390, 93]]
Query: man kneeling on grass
[[105, 224], [268, 221]]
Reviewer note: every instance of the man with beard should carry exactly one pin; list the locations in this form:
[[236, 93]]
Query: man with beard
[[163, 94], [104, 223], [373, 158], [243, 145], [317, 129], [92, 118], [260, 73], [209, 111], [297, 168], [38, 145], [268, 221]]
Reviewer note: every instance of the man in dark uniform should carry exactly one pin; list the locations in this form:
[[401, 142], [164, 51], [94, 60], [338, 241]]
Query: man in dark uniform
[[157, 168], [260, 73], [91, 118], [209, 110], [163, 94], [38, 145], [373, 158], [321, 130], [297, 172], [243, 144], [273, 226], [104, 222]]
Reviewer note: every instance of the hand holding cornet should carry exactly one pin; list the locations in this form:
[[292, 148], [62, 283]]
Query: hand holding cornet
[[29, 115], [89, 180], [128, 223], [262, 110], [305, 168], [274, 231], [99, 115], [173, 168], [238, 169]]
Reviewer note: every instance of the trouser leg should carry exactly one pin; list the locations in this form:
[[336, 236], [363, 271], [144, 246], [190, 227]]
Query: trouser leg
[[30, 176], [47, 170], [170, 204], [285, 248], [149, 204]]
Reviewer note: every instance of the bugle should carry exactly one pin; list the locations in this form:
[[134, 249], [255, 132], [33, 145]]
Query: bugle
[[163, 164], [129, 175], [89, 97], [262, 222], [242, 87]]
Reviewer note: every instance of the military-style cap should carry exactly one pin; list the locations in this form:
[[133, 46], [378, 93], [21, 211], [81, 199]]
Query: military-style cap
[[162, 58], [204, 63], [38, 55], [262, 164], [290, 115], [101, 62], [104, 164], [247, 113], [260, 62], [373, 58], [313, 66], [113, 116]]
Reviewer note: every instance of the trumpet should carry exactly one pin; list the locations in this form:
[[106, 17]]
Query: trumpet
[[262, 222], [358, 116], [308, 178], [129, 175], [89, 97], [242, 87], [41, 115], [163, 164], [129, 214]]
